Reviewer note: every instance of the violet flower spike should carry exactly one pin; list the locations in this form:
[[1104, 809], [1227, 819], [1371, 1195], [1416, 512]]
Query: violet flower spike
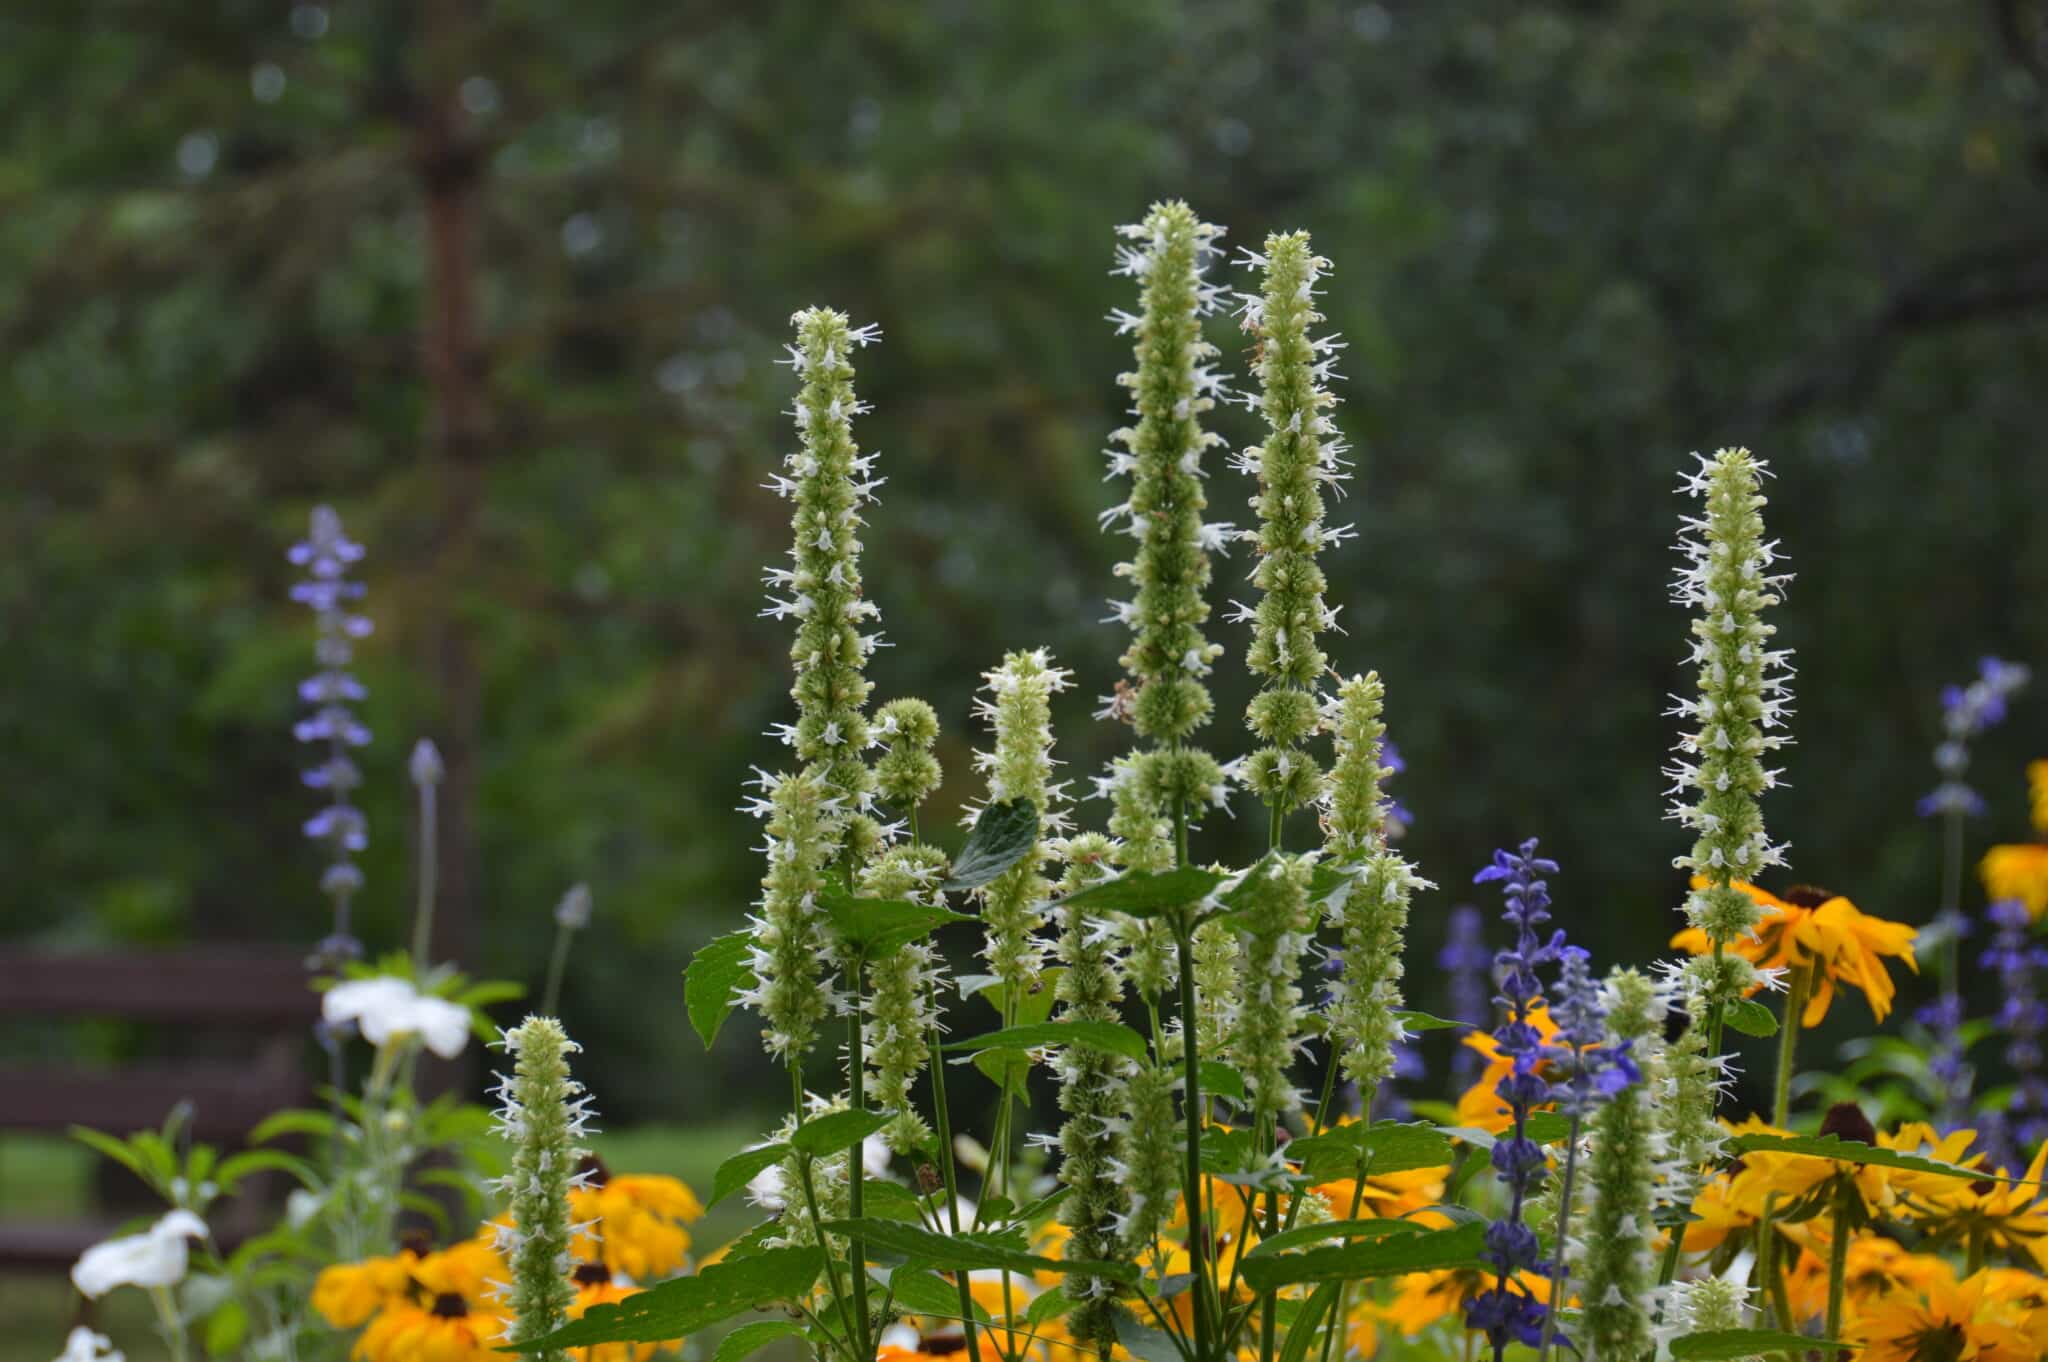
[[326, 554]]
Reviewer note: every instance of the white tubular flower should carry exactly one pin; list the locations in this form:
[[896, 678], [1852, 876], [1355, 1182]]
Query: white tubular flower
[[825, 484], [903, 988], [1172, 387], [388, 1009], [544, 1113], [790, 951], [1018, 707], [1719, 774], [86, 1346], [1299, 456], [1268, 1027], [156, 1258], [1093, 1091], [1372, 915]]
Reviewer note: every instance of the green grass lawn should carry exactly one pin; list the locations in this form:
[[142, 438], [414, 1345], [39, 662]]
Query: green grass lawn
[[44, 1179]]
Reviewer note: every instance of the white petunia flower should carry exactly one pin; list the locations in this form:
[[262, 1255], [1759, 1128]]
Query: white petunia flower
[[157, 1257], [386, 1007], [86, 1346]]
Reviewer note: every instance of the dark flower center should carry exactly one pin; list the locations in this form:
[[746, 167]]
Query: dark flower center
[[591, 1274], [942, 1343], [1847, 1120], [594, 1166], [1806, 896], [449, 1305]]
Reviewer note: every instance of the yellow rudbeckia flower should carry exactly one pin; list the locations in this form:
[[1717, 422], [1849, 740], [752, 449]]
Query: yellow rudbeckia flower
[[2019, 870], [1948, 1321], [1481, 1107], [637, 1222], [1813, 928]]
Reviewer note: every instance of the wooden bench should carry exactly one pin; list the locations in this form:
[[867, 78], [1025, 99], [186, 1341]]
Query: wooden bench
[[240, 1014]]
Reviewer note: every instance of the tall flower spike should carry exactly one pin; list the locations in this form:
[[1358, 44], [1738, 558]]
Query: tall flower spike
[[828, 480], [1299, 456], [903, 987], [1267, 1029], [1966, 712], [1144, 841], [1464, 962], [544, 1114], [326, 554], [1018, 708], [1147, 1163], [1093, 1091], [1354, 799], [2023, 1018], [790, 949], [1506, 1312], [907, 772], [1172, 387], [1616, 1267], [1742, 692]]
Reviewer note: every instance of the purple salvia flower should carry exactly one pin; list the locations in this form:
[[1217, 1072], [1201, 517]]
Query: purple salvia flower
[[1503, 1313], [1966, 712], [1465, 962], [2014, 956], [326, 554]]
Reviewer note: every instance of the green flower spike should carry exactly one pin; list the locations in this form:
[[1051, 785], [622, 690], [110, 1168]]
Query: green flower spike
[[1371, 915], [1144, 841], [826, 483], [1018, 707], [543, 1114], [1268, 1024], [1093, 1091], [903, 988], [1613, 1248], [1299, 457], [1742, 692], [792, 947]]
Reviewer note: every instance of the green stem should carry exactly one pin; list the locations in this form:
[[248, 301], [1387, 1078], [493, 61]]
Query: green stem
[[1560, 1271], [1344, 1288], [558, 962], [1838, 1254], [856, 1164], [1200, 1238], [810, 1191], [1668, 1270], [423, 915], [1717, 1014], [167, 1320], [951, 1180], [1788, 1043]]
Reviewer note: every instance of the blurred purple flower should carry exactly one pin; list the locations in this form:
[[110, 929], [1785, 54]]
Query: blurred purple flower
[[326, 555]]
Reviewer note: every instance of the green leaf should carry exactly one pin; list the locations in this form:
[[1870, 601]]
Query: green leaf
[[751, 1338], [683, 1305], [836, 1130], [1855, 1151], [1390, 1256], [737, 1171], [1009, 1070], [1724, 1345], [226, 1328], [1113, 1037], [1144, 1342], [1003, 835], [1421, 1021], [1751, 1018], [1141, 894], [1332, 1229], [238, 1166], [1383, 1147], [966, 1252], [924, 1292], [292, 1121], [117, 1150], [878, 926], [1047, 1305], [891, 1201], [1218, 1079], [717, 974], [1303, 1330]]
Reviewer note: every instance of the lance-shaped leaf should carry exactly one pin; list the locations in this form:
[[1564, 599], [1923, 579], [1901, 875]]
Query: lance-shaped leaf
[[1383, 1147], [749, 1339], [1855, 1151], [877, 926], [1412, 1020], [1113, 1037], [717, 974], [681, 1306], [1141, 894], [1003, 835], [1751, 1018], [837, 1130], [1388, 1256], [1331, 1229], [739, 1170], [1725, 1345], [967, 1252]]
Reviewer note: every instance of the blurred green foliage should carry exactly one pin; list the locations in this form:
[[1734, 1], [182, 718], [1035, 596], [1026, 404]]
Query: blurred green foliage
[[1573, 241]]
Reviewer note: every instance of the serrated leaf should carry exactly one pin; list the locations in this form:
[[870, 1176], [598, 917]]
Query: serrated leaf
[[891, 1201], [1384, 1147], [1141, 894], [1112, 1037], [717, 974], [681, 1306], [924, 1292], [878, 926], [967, 1252], [749, 1339], [1751, 1018], [1429, 1251], [1003, 835], [1855, 1151], [1009, 1070], [822, 1136], [1724, 1345], [1412, 1020], [1218, 1079], [737, 1171]]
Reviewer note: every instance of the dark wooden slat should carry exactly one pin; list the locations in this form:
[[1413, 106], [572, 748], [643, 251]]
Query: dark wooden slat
[[227, 1099], [199, 986], [49, 1248]]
